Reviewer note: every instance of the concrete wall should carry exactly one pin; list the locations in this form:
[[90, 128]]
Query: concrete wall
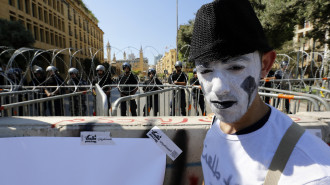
[[187, 132]]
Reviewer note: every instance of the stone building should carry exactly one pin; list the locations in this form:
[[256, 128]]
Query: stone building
[[58, 24]]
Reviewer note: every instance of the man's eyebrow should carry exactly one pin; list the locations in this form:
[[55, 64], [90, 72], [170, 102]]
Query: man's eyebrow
[[245, 58]]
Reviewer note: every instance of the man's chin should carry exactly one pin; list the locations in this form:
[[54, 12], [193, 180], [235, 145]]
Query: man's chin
[[227, 117]]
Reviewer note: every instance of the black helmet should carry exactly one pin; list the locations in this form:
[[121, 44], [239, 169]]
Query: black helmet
[[126, 64], [73, 70], [151, 70], [100, 67], [37, 69], [51, 68], [278, 74], [284, 63], [178, 64]]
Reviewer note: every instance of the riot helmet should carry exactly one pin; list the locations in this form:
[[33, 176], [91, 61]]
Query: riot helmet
[[151, 70], [100, 67], [126, 64], [51, 68], [178, 64], [73, 70], [194, 71], [284, 64]]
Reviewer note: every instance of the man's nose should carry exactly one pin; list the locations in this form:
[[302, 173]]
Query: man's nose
[[220, 85]]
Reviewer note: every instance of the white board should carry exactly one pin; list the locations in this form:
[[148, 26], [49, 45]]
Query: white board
[[64, 161]]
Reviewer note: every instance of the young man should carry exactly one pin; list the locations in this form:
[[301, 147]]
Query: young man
[[128, 78], [178, 77], [151, 85], [231, 54]]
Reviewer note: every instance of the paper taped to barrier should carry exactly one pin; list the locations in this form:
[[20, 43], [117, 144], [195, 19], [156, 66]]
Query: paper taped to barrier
[[63, 160], [164, 142]]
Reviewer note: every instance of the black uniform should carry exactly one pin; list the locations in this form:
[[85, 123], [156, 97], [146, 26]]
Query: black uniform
[[77, 103], [55, 80], [181, 77], [198, 96], [40, 94], [126, 91], [152, 85]]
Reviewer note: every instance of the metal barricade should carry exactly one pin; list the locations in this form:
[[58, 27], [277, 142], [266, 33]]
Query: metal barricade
[[319, 100], [71, 104], [14, 97], [290, 98]]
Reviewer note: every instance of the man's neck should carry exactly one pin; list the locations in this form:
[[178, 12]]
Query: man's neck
[[256, 111]]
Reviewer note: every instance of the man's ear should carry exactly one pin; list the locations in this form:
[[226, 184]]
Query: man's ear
[[267, 62]]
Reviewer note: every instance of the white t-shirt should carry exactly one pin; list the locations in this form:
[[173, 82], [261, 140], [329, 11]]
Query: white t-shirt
[[244, 159]]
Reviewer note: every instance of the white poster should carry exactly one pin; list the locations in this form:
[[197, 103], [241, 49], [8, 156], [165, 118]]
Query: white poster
[[64, 161]]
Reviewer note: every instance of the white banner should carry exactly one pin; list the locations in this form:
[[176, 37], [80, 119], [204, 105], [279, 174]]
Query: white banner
[[64, 161]]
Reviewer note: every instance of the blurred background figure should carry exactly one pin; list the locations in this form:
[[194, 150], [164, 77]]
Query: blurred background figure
[[285, 75], [197, 94], [151, 85], [77, 103], [55, 81]]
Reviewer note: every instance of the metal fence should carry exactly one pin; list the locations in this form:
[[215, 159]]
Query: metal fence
[[167, 101]]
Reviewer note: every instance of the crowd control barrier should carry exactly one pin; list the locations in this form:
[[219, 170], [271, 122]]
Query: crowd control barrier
[[320, 100], [33, 104]]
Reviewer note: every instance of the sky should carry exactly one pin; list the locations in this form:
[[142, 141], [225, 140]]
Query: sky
[[129, 25]]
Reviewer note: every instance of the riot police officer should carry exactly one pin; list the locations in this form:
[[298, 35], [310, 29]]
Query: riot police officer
[[128, 85], [103, 78], [197, 94], [78, 102], [152, 84], [56, 81], [178, 77]]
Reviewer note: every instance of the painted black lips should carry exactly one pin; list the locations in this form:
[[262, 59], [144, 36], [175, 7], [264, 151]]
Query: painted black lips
[[223, 104]]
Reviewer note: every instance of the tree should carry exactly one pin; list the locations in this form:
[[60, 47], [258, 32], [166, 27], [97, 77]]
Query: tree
[[279, 18], [184, 39], [13, 34]]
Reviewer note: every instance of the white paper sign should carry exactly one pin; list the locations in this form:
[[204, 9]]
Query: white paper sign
[[64, 161], [164, 142], [96, 138]]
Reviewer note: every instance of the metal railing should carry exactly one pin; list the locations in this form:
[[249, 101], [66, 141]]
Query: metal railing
[[319, 99]]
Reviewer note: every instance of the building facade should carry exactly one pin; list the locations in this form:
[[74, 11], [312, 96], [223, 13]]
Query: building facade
[[301, 43], [58, 24], [137, 64], [167, 62]]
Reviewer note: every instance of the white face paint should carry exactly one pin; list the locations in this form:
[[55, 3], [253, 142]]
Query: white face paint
[[230, 86]]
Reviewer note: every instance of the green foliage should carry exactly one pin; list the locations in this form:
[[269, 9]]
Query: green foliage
[[184, 39], [87, 10], [279, 18], [136, 72], [13, 34]]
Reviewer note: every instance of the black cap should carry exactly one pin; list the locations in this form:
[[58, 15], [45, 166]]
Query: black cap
[[224, 29]]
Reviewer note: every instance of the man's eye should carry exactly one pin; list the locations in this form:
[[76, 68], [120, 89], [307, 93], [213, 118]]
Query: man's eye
[[206, 71], [236, 68]]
